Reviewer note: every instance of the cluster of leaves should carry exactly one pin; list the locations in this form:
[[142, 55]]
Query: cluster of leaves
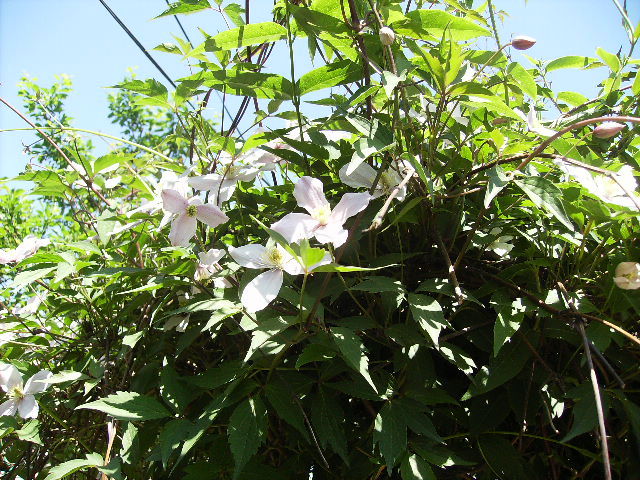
[[446, 339]]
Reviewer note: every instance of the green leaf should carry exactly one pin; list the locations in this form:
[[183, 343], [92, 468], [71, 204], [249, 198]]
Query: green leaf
[[173, 433], [353, 351], [150, 87], [543, 193], [30, 432], [414, 467], [572, 98], [281, 398], [66, 376], [523, 79], [390, 433], [423, 24], [428, 315], [328, 419], [331, 75], [502, 458], [612, 61], [380, 284], [498, 179], [571, 61], [510, 316], [67, 468], [246, 35], [252, 84], [185, 7], [247, 430], [635, 88], [30, 276], [128, 406]]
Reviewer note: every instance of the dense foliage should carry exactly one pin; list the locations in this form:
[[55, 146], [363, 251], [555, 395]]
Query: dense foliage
[[430, 281]]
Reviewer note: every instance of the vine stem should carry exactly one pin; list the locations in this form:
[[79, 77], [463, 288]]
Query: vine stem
[[573, 126], [86, 180]]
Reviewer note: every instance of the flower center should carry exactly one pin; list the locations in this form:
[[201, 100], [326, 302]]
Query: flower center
[[233, 171], [273, 256], [192, 210], [17, 392], [322, 214]]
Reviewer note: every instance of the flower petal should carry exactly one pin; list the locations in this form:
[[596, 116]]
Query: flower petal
[[211, 257], [183, 228], [362, 176], [260, 291], [206, 182], [295, 226], [332, 233], [8, 408], [9, 377], [28, 407], [211, 215], [249, 256], [173, 201], [309, 194], [348, 206], [37, 383]]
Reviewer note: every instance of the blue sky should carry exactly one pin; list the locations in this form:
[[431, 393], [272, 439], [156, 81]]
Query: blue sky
[[78, 37]]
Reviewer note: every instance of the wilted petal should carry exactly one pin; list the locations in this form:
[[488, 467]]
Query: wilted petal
[[183, 228], [211, 215], [309, 194], [332, 233], [262, 290], [173, 201], [363, 176], [295, 226], [249, 256], [28, 407], [348, 206], [37, 383], [9, 377], [8, 408]]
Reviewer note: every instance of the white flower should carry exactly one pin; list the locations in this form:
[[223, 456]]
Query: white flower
[[500, 245], [533, 124], [21, 397], [223, 185], [627, 275], [603, 186], [387, 36], [168, 180], [27, 247], [364, 176], [260, 291], [208, 266], [321, 221], [187, 212], [31, 306]]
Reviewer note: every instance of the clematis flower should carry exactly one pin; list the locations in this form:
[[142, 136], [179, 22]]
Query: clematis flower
[[21, 397], [603, 186], [627, 275], [187, 212], [500, 245], [31, 306], [168, 180], [533, 124], [223, 185], [364, 175], [208, 266], [263, 289], [28, 247], [321, 222]]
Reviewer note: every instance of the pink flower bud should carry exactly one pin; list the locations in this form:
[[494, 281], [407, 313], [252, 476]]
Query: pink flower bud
[[607, 129], [387, 36], [523, 42]]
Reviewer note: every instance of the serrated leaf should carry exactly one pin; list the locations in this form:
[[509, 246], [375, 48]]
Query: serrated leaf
[[327, 417], [331, 75], [185, 7], [428, 315], [30, 276], [245, 36], [353, 352], [128, 406], [247, 429], [30, 432], [414, 467], [543, 193], [390, 433]]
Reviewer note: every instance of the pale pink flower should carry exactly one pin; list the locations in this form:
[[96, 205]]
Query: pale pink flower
[[627, 275], [321, 222], [187, 212], [28, 247], [208, 266], [607, 129], [21, 397]]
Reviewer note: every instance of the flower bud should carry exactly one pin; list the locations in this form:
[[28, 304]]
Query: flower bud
[[387, 36], [607, 129], [627, 275], [523, 42]]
